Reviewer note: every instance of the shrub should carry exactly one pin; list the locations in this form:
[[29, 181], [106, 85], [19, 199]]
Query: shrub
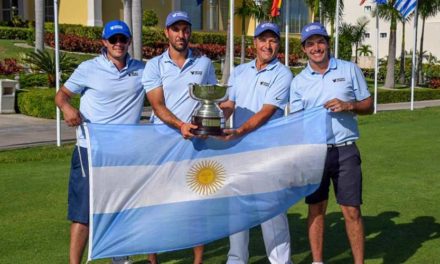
[[9, 66], [404, 95], [16, 33], [74, 43], [39, 103], [45, 62], [94, 33], [33, 80], [434, 83], [149, 18]]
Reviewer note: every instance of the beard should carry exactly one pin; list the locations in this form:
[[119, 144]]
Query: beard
[[180, 48]]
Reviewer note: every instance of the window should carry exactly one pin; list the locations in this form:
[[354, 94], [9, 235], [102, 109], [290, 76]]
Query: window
[[367, 35], [299, 16], [195, 12], [10, 8], [367, 9], [48, 10], [383, 35]]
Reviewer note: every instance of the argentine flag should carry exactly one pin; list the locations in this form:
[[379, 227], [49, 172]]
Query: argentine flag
[[152, 191]]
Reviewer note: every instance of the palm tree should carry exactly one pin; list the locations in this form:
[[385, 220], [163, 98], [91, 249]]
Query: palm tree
[[329, 13], [358, 34], [39, 25], [137, 28], [314, 7], [246, 10], [388, 12], [365, 50], [426, 9], [127, 20], [44, 61]]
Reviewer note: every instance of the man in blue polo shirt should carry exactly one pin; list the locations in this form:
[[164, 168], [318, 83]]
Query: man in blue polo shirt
[[166, 79], [111, 93], [258, 93], [340, 87]]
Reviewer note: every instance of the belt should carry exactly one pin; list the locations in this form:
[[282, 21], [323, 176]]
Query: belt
[[346, 143]]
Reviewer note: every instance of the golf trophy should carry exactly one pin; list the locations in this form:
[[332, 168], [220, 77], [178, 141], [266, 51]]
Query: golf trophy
[[208, 117]]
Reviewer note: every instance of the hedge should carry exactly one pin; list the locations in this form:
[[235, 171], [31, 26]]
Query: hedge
[[404, 95], [16, 33], [39, 103]]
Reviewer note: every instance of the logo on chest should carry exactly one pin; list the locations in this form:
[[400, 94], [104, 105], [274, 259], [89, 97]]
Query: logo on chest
[[135, 73], [263, 83], [339, 80], [196, 72]]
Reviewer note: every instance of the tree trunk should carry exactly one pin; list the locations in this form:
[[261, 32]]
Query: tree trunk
[[402, 57], [389, 80], [127, 20], [137, 29], [39, 25], [356, 47], [419, 68]]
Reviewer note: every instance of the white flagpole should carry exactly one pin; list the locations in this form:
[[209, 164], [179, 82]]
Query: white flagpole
[[231, 43], [57, 68], [337, 30], [376, 61], [286, 50], [414, 66]]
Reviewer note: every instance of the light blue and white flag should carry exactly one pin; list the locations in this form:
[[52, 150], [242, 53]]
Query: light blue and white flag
[[405, 7], [152, 191]]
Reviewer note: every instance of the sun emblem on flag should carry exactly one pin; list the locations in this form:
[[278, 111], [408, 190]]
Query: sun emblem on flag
[[206, 177]]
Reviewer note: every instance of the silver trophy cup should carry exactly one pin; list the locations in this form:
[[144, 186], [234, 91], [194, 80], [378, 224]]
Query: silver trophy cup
[[208, 117]]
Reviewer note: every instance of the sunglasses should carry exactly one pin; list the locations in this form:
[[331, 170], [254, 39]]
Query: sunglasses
[[118, 38]]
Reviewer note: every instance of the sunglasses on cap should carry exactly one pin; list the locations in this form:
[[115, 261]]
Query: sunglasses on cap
[[118, 38]]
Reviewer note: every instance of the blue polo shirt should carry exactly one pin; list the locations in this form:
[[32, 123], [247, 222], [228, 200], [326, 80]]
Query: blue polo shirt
[[251, 89], [161, 71], [108, 96], [342, 80]]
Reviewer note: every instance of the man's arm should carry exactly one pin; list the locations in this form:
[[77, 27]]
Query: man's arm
[[364, 107], [252, 123], [157, 101], [72, 116]]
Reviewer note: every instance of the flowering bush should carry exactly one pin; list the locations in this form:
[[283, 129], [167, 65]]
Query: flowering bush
[[74, 43], [9, 66]]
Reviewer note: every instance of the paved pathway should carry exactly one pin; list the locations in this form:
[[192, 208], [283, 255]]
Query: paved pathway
[[19, 131]]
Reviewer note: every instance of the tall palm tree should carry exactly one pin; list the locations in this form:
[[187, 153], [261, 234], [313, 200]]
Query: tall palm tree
[[246, 10], [314, 7], [388, 12], [137, 28], [402, 55], [358, 33], [426, 9], [127, 20], [39, 25], [329, 13]]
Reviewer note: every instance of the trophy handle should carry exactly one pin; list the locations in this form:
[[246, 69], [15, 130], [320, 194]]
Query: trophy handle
[[191, 93]]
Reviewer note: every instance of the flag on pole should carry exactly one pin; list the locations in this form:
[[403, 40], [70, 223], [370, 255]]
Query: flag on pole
[[362, 2], [276, 7], [405, 7], [152, 191]]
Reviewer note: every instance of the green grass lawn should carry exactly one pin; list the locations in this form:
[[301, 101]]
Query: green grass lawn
[[400, 152]]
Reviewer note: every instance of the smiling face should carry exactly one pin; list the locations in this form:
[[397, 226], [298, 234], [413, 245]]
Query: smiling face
[[266, 45], [117, 46], [317, 50], [178, 35]]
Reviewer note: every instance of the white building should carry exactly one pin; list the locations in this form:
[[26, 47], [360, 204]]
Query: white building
[[353, 11]]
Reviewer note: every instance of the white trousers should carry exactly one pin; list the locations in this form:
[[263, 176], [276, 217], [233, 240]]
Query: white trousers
[[276, 238]]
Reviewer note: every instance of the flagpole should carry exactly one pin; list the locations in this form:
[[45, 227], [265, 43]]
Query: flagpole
[[286, 51], [376, 61], [231, 43], [414, 66], [337, 30], [57, 68]]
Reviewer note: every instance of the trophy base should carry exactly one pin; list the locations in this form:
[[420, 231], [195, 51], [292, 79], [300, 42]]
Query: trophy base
[[207, 126]]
